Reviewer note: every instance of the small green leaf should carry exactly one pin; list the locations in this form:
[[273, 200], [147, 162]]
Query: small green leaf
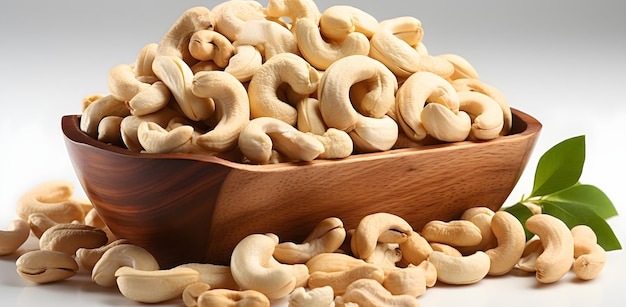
[[576, 214], [587, 195], [560, 167], [522, 213]]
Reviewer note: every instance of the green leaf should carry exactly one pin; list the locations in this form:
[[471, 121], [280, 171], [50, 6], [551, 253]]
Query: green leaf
[[522, 213], [576, 214], [586, 195], [560, 167]]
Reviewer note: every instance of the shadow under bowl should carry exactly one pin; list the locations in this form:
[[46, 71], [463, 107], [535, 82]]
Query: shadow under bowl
[[195, 208]]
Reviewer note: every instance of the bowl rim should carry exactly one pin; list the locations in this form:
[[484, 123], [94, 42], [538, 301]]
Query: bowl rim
[[70, 125]]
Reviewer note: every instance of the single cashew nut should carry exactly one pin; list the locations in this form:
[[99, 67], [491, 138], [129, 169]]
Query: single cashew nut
[[154, 286], [339, 281], [88, 257], [485, 112], [558, 247], [254, 268], [468, 84], [511, 238], [109, 130], [232, 298], [68, 238], [262, 134], [52, 198], [44, 266], [318, 297], [375, 84], [209, 45], [455, 232], [143, 63], [590, 257], [175, 42], [284, 68], [415, 249], [245, 63], [445, 124], [140, 97], [130, 125], [327, 237], [156, 139], [321, 53], [123, 255], [460, 270], [374, 134], [217, 276], [370, 293], [337, 144], [16, 234], [378, 227], [338, 21], [232, 106]]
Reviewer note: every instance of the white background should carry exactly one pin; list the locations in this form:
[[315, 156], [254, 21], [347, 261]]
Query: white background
[[560, 61]]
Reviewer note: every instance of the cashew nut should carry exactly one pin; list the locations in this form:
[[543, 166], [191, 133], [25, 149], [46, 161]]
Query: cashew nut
[[154, 286], [590, 257], [415, 249], [374, 134], [337, 144], [455, 232], [460, 270], [318, 297], [481, 217], [156, 139], [216, 276], [462, 67], [338, 21], [230, 16], [254, 268], [143, 63], [320, 53], [99, 109], [284, 68], [231, 107], [193, 291], [44, 266], [209, 45], [378, 227], [340, 280], [109, 130], [327, 237], [52, 198], [333, 262], [558, 247], [445, 124], [370, 293], [130, 125], [141, 98], [309, 117], [88, 257], [511, 238], [68, 238], [446, 249], [245, 63], [232, 298], [175, 42], [375, 96], [12, 238], [294, 9], [467, 84], [410, 281], [262, 134], [270, 38], [123, 255], [39, 223], [532, 250], [485, 112]]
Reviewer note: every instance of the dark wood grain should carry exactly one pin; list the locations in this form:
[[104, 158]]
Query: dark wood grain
[[193, 208]]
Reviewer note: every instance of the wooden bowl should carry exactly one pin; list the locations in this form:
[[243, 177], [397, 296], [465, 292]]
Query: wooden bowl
[[195, 208]]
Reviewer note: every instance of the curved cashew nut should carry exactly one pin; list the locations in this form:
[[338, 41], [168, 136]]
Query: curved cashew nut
[[367, 292], [12, 238], [143, 63], [88, 257], [43, 266], [231, 105], [455, 232], [485, 112], [230, 16], [378, 227], [377, 87], [318, 297], [268, 37], [262, 134], [374, 134], [558, 245], [156, 139], [327, 237], [217, 276], [109, 130], [337, 144], [245, 63], [462, 67], [68, 238], [209, 45], [416, 249], [320, 53], [467, 84], [254, 268], [140, 97], [445, 124], [175, 42], [460, 270], [338, 21], [511, 238], [284, 68], [154, 286], [340, 280], [123, 255], [99, 109], [590, 257], [532, 250], [418, 90], [178, 77], [294, 9], [130, 125], [54, 199]]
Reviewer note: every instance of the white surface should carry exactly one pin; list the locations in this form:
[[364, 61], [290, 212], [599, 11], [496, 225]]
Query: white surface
[[563, 62]]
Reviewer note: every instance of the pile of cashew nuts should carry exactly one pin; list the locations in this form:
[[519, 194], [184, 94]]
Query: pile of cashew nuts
[[383, 261], [288, 82]]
